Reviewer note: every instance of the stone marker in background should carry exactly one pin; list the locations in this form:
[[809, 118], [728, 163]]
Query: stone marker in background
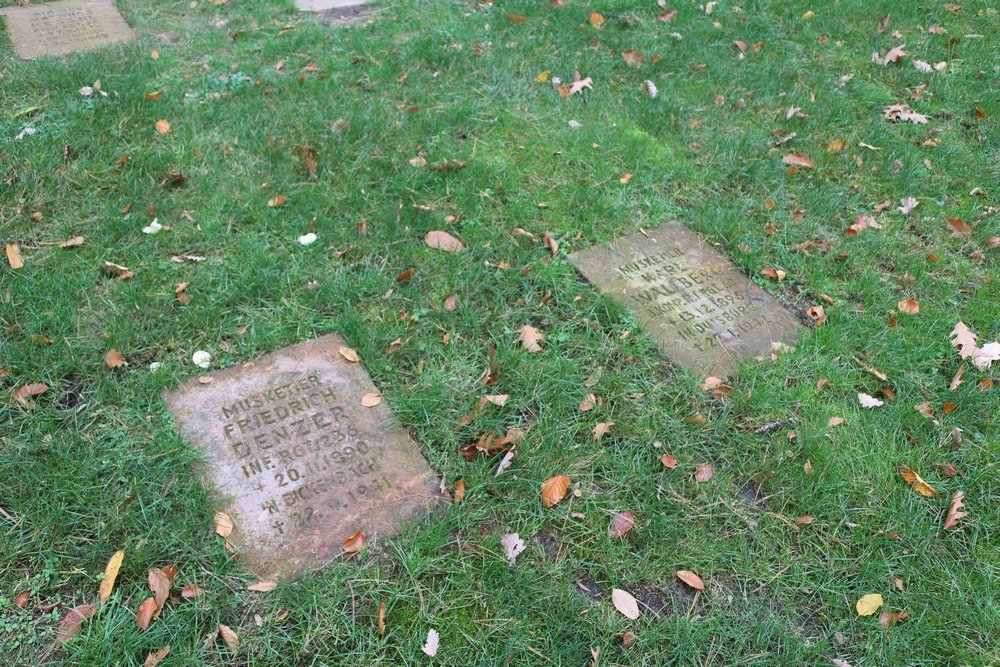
[[301, 463], [705, 314], [337, 12], [66, 26]]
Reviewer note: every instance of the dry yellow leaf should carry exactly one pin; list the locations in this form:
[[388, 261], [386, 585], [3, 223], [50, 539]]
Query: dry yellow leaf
[[349, 354], [916, 482], [110, 575], [371, 399], [909, 306], [869, 604], [597, 19]]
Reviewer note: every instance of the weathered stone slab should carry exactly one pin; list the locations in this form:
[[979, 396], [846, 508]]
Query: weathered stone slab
[[706, 315], [301, 463], [65, 26], [326, 5]]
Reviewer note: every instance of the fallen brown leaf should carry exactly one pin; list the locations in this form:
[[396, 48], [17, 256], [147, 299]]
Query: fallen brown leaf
[[704, 472], [916, 482], [621, 523], [354, 543], [691, 579], [145, 614], [154, 657], [71, 623], [443, 241], [554, 489], [223, 524], [114, 359], [954, 510]]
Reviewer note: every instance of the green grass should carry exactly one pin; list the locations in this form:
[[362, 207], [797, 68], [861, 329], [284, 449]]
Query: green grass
[[98, 466]]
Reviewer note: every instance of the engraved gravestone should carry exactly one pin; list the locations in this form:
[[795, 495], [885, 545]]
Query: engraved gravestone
[[337, 12], [705, 314], [65, 26], [301, 462]]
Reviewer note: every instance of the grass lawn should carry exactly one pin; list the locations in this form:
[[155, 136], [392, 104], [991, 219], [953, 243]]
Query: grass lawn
[[251, 91]]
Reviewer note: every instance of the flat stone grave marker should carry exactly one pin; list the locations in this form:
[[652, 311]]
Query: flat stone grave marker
[[706, 315], [302, 463], [336, 10], [65, 26]]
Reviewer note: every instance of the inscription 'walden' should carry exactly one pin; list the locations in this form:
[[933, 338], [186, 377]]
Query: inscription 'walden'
[[698, 302], [299, 463], [705, 314]]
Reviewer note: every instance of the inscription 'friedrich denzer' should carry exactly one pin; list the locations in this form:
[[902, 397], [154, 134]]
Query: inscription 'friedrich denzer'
[[302, 464], [707, 315]]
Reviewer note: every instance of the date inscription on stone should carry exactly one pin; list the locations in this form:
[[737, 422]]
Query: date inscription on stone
[[300, 464], [705, 314], [65, 26]]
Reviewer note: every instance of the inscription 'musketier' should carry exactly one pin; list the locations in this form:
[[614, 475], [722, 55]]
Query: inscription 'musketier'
[[302, 463], [705, 313], [64, 26]]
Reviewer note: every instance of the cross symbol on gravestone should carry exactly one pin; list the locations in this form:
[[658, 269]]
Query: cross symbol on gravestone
[[259, 487], [277, 526]]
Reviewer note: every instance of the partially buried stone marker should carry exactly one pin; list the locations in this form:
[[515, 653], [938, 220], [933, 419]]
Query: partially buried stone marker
[[302, 463], [66, 26], [706, 315]]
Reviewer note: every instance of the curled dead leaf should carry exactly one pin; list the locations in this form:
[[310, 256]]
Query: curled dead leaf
[[371, 399], [798, 161], [354, 543], [954, 510], [154, 657], [229, 636], [531, 338], [668, 460], [114, 359], [908, 306], [223, 524], [916, 482], [704, 472]]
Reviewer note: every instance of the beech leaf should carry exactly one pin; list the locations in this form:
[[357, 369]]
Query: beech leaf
[[443, 241], [625, 603], [354, 543], [691, 579], [554, 489], [621, 523]]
